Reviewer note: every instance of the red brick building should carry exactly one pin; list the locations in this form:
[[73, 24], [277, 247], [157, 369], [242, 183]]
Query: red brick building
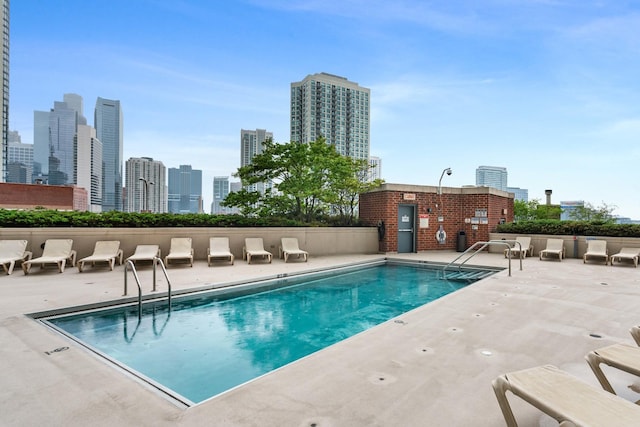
[[30, 196], [409, 217]]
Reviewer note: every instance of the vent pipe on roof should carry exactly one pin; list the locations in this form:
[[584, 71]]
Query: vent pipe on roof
[[548, 193]]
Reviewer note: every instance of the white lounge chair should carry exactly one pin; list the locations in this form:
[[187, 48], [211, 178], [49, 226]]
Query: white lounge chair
[[12, 251], [596, 249], [635, 333], [523, 250], [620, 356], [104, 251], [554, 247], [627, 254], [145, 253], [219, 249], [180, 249], [254, 246], [290, 247], [567, 399], [56, 251]]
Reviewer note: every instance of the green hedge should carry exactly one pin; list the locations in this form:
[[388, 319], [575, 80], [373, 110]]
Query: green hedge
[[54, 218], [571, 228]]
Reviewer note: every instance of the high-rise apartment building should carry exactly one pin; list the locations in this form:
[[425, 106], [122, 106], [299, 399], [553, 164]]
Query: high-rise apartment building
[[109, 130], [220, 192], [146, 186], [185, 190], [375, 168], [492, 176], [20, 160], [4, 64], [89, 170], [252, 143], [332, 107]]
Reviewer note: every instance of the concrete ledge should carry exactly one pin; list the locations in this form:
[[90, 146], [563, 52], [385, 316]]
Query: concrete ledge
[[318, 241], [575, 246]]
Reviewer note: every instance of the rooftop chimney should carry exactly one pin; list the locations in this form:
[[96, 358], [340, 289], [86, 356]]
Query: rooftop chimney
[[548, 193]]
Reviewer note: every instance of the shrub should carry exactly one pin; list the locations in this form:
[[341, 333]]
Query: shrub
[[571, 228], [54, 218]]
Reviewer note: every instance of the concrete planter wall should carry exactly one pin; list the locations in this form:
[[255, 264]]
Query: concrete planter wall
[[317, 241], [575, 246]]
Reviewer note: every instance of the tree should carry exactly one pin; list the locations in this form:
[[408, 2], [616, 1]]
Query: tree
[[309, 180], [525, 211], [590, 213]]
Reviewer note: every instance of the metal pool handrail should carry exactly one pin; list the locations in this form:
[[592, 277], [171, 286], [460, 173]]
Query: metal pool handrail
[[483, 246], [158, 260], [135, 275]]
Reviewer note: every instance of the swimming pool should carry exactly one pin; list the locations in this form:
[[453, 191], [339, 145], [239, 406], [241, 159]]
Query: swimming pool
[[211, 342]]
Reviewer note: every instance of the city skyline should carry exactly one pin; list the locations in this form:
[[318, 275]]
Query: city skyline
[[546, 89]]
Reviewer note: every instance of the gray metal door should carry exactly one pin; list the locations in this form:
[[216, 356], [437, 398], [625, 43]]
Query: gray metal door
[[406, 228]]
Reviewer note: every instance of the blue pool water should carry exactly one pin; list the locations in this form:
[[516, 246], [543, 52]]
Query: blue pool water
[[208, 344]]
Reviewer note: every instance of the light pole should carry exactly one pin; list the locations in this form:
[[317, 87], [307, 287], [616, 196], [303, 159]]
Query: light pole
[[448, 171], [441, 235], [145, 193]]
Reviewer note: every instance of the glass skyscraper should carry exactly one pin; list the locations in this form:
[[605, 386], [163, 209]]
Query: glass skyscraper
[[62, 132], [492, 176], [324, 105], [108, 125], [185, 190]]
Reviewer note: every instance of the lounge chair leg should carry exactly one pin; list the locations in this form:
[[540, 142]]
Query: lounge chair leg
[[500, 387], [593, 359]]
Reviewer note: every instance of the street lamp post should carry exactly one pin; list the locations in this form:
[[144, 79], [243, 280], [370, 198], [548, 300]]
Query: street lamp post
[[145, 194]]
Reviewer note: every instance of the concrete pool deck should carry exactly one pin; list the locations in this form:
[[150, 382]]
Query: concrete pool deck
[[431, 369]]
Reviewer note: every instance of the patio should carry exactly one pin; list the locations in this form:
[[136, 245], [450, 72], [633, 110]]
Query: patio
[[435, 368]]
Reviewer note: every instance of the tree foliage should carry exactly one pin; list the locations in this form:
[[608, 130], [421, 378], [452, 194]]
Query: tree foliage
[[588, 212], [533, 210], [305, 182]]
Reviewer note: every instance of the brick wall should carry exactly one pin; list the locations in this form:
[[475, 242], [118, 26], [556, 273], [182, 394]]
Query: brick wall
[[29, 196], [462, 209]]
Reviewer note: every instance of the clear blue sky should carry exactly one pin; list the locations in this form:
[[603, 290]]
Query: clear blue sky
[[549, 89]]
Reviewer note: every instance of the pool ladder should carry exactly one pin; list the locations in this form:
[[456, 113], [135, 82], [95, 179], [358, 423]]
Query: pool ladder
[[480, 246], [131, 266]]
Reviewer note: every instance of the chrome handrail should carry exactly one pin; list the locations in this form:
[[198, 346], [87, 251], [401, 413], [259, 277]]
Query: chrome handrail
[[158, 260], [135, 275], [483, 246]]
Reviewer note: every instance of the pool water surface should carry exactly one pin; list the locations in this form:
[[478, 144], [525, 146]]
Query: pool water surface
[[208, 344]]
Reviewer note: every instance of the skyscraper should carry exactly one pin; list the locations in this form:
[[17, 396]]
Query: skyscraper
[[4, 148], [62, 132], [20, 160], [41, 145], [375, 168], [185, 190], [108, 124], [220, 192], [492, 176], [324, 105], [145, 185], [89, 170], [251, 143]]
